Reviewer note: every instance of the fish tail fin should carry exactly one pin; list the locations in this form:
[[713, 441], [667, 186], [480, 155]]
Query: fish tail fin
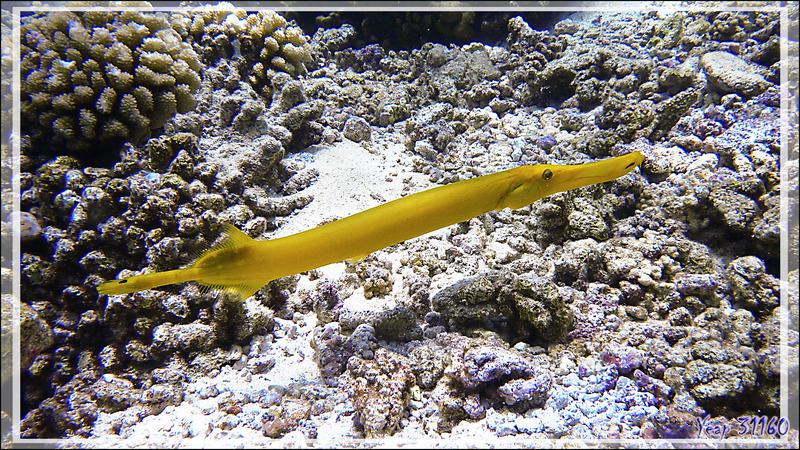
[[145, 281], [201, 270], [232, 237]]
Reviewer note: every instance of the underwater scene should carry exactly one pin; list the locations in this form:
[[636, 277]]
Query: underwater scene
[[429, 227]]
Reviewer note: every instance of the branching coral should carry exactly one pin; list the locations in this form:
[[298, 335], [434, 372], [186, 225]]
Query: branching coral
[[266, 41], [103, 77]]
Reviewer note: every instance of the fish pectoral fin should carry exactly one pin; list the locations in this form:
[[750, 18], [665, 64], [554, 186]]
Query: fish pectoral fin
[[357, 259]]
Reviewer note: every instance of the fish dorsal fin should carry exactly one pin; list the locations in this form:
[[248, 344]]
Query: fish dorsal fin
[[231, 237], [234, 237]]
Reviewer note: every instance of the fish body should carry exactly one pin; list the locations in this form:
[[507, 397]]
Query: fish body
[[243, 265]]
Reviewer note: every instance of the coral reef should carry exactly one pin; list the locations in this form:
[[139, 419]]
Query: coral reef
[[636, 309], [478, 371], [412, 29]]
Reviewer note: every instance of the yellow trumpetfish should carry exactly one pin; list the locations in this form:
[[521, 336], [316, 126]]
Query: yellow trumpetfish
[[242, 265]]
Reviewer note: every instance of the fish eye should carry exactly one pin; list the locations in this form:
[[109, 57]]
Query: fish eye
[[547, 174]]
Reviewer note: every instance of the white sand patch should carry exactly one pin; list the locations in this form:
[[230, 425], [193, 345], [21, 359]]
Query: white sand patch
[[351, 179]]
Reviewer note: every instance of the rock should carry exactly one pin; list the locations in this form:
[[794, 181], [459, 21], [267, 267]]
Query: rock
[[428, 362], [357, 129], [468, 301], [757, 290], [533, 390], [715, 382], [115, 394], [502, 302], [437, 55], [327, 341], [29, 228], [658, 388], [477, 363], [189, 337], [361, 343], [729, 73], [671, 423], [398, 323], [539, 306], [736, 209], [35, 333]]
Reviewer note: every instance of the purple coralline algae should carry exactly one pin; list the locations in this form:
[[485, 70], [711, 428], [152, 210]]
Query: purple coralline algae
[[625, 359], [546, 142], [380, 389]]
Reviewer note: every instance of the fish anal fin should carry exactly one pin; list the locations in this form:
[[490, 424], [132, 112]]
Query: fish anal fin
[[240, 291], [245, 291]]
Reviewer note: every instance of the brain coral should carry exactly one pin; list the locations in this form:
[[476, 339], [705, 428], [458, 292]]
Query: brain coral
[[98, 78], [264, 39]]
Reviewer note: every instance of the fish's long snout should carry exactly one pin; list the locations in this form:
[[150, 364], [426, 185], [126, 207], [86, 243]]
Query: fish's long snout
[[574, 176]]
